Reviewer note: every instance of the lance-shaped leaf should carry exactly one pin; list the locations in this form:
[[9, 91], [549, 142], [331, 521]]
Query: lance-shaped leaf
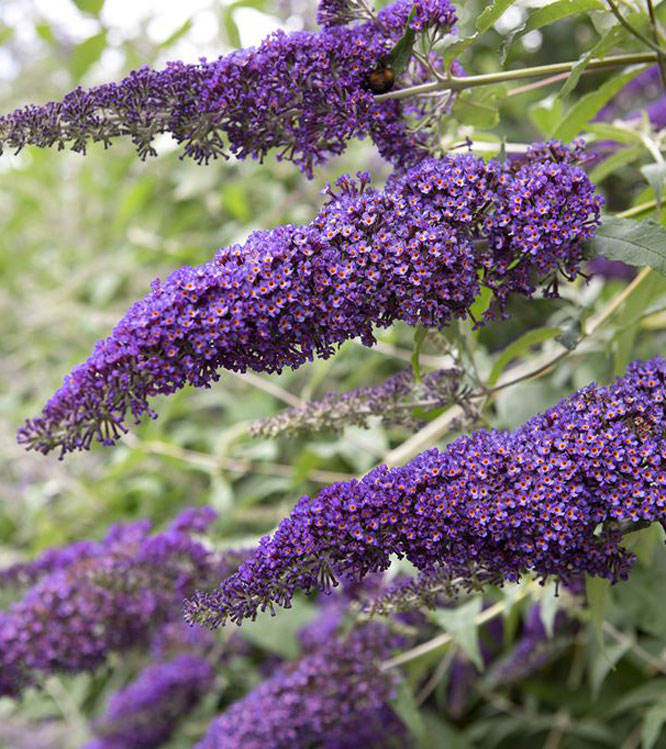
[[637, 243]]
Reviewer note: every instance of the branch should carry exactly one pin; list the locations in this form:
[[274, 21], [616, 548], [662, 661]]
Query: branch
[[455, 83]]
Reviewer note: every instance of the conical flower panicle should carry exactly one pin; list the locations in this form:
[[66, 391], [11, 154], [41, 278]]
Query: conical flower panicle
[[415, 252], [550, 498]]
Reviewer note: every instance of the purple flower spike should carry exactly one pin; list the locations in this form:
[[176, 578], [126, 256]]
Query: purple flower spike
[[335, 697], [144, 714], [113, 597], [549, 498], [302, 95], [414, 252]]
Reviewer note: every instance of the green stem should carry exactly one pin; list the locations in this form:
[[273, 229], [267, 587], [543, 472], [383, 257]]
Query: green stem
[[455, 83], [444, 639], [655, 32]]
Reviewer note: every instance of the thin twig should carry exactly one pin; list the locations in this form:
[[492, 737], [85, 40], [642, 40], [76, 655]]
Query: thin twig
[[456, 83], [444, 639], [269, 387], [655, 31], [655, 663], [539, 84], [214, 463], [437, 675]]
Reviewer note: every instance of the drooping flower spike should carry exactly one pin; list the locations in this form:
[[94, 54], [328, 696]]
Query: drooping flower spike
[[302, 95], [549, 498], [334, 697], [113, 597], [145, 713], [416, 251], [387, 401]]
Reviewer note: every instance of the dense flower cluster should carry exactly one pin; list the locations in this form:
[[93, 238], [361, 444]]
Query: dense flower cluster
[[23, 574], [427, 14], [335, 697], [143, 714], [416, 252], [393, 402], [106, 600], [303, 95], [548, 498]]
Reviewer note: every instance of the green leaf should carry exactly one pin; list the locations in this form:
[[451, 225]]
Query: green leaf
[[602, 663], [131, 201], [419, 337], [90, 6], [549, 603], [652, 691], [547, 15], [479, 106], [460, 623], [481, 303], [518, 348], [637, 243], [643, 601], [231, 27], [643, 543], [177, 34], [45, 32], [611, 38], [620, 158], [229, 22], [545, 114], [573, 121], [443, 734], [408, 711], [484, 22], [401, 54], [558, 10], [86, 54], [634, 305], [570, 336], [490, 14], [597, 591], [6, 33], [604, 131], [236, 201], [655, 175], [600, 49], [279, 634], [653, 723]]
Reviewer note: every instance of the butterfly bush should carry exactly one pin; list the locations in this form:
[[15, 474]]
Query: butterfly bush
[[105, 600], [145, 713], [302, 95], [550, 498], [334, 697], [416, 251]]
